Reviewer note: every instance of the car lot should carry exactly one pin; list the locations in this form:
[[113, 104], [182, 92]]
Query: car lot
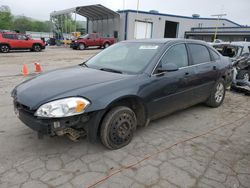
[[196, 147]]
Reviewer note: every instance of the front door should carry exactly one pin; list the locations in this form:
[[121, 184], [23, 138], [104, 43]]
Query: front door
[[173, 90], [91, 40], [23, 41]]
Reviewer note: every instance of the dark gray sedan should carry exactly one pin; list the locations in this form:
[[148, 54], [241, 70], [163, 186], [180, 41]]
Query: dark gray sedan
[[125, 86]]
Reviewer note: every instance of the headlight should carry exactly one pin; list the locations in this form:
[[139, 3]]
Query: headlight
[[63, 107]]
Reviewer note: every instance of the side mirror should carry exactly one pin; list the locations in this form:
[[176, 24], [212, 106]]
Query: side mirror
[[169, 67]]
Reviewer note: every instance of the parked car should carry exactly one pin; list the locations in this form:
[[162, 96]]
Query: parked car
[[93, 39], [235, 50], [15, 41], [125, 86]]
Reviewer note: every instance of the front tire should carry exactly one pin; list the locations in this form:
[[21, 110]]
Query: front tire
[[217, 95], [82, 46], [36, 48], [118, 127], [4, 48]]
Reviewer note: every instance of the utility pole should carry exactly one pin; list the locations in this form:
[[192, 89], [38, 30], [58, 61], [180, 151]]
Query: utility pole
[[219, 16], [123, 5], [137, 7]]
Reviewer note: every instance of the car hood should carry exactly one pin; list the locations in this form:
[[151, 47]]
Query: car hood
[[60, 83]]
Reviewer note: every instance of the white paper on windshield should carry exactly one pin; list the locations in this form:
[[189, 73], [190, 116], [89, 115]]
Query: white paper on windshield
[[148, 47]]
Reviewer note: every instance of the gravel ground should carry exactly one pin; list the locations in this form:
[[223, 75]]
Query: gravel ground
[[196, 147]]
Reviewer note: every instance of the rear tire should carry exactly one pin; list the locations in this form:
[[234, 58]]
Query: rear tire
[[217, 95], [36, 48], [4, 48], [243, 75], [106, 45], [118, 127]]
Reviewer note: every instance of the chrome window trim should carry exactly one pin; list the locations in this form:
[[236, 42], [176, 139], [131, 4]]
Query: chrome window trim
[[162, 57], [181, 67]]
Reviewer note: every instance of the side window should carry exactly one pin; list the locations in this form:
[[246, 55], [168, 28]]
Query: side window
[[92, 36], [199, 53], [7, 36], [13, 36], [176, 55], [21, 37], [214, 55]]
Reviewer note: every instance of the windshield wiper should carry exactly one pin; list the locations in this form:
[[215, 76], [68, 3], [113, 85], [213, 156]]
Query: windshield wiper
[[84, 64], [111, 70]]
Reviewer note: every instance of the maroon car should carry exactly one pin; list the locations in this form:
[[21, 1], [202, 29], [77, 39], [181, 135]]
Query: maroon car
[[93, 39]]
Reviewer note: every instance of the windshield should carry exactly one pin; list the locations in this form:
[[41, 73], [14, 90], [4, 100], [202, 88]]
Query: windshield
[[125, 57], [84, 36]]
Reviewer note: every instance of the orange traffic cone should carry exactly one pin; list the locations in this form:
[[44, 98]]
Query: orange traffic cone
[[38, 67], [25, 70]]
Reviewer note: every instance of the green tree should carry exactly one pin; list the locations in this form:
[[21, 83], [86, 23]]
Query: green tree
[[22, 24], [64, 23], [6, 18]]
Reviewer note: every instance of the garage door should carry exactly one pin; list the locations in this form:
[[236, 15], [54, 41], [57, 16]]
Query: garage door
[[143, 30]]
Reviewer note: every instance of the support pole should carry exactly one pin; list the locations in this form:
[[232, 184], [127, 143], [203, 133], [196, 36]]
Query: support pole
[[75, 21]]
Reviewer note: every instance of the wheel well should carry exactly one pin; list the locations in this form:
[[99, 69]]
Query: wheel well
[[36, 44], [4, 44], [82, 43], [132, 102]]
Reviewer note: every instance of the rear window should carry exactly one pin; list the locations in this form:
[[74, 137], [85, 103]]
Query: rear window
[[9, 36], [200, 53]]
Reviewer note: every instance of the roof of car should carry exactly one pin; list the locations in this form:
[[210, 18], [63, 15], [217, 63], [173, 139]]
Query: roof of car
[[241, 43], [8, 32], [164, 40], [236, 43]]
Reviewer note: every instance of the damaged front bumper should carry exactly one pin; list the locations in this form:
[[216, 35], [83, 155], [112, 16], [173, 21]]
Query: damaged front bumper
[[74, 127]]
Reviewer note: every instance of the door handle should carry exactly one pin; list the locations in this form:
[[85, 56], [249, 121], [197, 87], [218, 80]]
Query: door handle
[[214, 68], [186, 73]]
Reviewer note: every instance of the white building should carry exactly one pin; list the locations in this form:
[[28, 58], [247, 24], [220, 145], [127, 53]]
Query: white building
[[132, 24]]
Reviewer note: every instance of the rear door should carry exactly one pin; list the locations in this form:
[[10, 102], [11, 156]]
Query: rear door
[[173, 90], [206, 70], [11, 39]]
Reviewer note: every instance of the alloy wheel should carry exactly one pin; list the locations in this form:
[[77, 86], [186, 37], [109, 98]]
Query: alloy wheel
[[81, 46], [37, 48], [219, 92], [5, 49], [246, 77], [106, 45]]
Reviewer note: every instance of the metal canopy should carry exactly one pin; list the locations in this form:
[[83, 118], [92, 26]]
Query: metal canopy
[[92, 12]]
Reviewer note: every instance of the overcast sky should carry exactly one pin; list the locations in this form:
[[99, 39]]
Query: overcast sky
[[238, 11]]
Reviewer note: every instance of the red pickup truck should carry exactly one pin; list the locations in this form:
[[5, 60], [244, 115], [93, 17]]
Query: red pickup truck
[[93, 39], [15, 41]]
